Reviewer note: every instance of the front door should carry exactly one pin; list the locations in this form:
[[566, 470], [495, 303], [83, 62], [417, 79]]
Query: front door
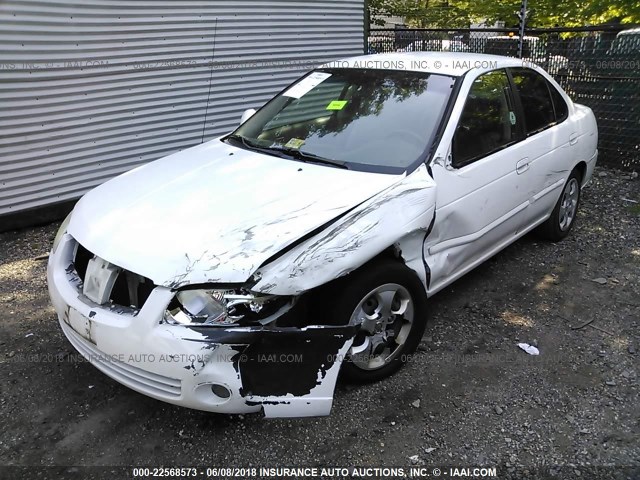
[[481, 200]]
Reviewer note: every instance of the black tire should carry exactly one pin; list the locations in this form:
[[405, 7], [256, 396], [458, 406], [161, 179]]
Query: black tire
[[554, 228], [348, 293]]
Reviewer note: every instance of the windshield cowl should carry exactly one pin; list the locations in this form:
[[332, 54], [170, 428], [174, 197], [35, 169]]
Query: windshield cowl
[[284, 152]]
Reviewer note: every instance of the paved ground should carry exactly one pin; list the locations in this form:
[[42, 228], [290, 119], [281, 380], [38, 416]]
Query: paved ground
[[469, 396]]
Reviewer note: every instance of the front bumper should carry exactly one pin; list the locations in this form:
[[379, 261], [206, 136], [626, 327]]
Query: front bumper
[[282, 371]]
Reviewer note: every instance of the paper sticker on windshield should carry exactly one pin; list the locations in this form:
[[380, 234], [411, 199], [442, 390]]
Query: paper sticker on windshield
[[512, 118], [337, 105], [294, 143], [306, 84]]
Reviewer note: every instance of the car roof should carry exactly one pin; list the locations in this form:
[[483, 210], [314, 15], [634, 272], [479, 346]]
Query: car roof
[[454, 64], [631, 31]]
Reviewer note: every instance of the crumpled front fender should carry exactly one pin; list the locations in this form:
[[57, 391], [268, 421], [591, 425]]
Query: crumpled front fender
[[398, 216]]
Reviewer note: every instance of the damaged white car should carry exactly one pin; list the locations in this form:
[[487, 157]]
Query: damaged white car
[[245, 273]]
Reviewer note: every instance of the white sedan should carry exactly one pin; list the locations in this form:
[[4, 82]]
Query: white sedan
[[244, 274]]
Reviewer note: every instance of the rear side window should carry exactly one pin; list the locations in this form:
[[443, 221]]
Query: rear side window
[[488, 121], [535, 98], [559, 105]]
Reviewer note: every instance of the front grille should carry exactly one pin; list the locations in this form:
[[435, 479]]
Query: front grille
[[82, 260], [130, 376], [130, 289]]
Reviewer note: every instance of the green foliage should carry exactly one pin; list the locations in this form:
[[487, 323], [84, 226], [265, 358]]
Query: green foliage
[[542, 13]]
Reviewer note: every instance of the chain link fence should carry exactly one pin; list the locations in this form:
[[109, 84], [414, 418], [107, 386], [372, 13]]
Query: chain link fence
[[597, 66]]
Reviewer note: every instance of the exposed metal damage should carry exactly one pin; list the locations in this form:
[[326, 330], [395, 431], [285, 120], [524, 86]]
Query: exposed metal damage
[[289, 202], [399, 216]]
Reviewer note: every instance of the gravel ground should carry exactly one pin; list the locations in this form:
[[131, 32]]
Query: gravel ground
[[468, 397]]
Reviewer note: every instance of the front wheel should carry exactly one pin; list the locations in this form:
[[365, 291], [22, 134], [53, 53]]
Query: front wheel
[[387, 301], [559, 224]]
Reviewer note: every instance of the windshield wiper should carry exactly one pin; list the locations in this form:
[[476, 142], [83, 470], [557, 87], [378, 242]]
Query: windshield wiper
[[251, 145], [286, 152], [244, 140], [308, 157]]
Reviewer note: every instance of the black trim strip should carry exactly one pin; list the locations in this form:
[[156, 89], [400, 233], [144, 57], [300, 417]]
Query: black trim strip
[[455, 91]]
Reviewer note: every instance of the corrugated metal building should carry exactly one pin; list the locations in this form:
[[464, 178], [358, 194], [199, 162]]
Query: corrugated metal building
[[92, 88]]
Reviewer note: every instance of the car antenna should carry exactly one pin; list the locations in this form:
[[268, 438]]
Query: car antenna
[[213, 53]]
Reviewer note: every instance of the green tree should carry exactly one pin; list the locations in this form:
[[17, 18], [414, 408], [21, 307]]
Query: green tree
[[542, 13]]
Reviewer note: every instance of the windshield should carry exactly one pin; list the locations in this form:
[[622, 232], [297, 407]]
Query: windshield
[[376, 120]]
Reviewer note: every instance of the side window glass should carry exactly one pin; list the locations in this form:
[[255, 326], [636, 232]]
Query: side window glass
[[536, 100], [559, 105], [488, 120]]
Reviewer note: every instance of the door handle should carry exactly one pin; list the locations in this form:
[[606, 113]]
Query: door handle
[[522, 166], [573, 139]]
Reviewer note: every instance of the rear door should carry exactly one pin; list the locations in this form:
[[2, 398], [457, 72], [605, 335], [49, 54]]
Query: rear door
[[550, 140]]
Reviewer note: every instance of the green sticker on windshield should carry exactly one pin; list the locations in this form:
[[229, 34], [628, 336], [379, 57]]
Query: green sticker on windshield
[[336, 105], [512, 118], [294, 143]]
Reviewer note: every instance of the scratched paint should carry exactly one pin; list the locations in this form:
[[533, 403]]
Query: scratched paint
[[395, 216], [221, 215]]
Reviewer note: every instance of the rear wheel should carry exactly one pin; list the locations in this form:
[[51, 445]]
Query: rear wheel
[[559, 224], [387, 301]]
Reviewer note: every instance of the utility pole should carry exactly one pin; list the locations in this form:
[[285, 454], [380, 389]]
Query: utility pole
[[523, 18]]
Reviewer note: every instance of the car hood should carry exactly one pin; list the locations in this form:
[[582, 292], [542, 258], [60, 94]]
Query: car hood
[[213, 213]]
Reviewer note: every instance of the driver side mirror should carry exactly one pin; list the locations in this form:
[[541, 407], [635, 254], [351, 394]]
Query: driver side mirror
[[247, 115]]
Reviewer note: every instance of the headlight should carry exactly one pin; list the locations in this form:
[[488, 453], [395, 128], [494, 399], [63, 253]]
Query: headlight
[[224, 307], [61, 231]]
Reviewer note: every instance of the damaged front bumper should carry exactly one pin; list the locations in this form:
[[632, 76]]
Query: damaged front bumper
[[283, 371]]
